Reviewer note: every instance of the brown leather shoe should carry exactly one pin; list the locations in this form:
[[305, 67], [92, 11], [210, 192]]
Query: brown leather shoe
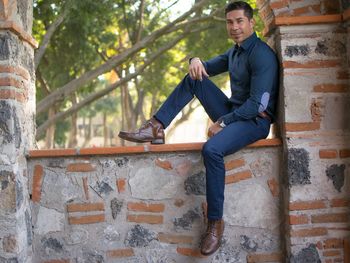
[[212, 238], [151, 131]]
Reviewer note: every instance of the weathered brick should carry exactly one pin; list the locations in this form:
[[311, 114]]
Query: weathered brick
[[279, 4], [85, 207], [328, 154], [174, 239], [121, 183], [149, 219], [331, 88], [7, 81], [333, 243], [37, 183], [80, 167], [301, 126], [120, 253], [307, 10], [8, 94], [190, 252], [330, 218], [340, 202], [19, 71], [331, 253], [312, 64], [307, 205], [298, 219], [309, 232], [164, 164], [144, 207], [236, 177], [346, 251], [253, 258], [233, 164], [344, 153], [342, 74], [86, 188], [273, 185], [91, 219]]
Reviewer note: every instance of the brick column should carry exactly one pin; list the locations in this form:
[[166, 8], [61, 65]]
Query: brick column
[[312, 41], [17, 108]]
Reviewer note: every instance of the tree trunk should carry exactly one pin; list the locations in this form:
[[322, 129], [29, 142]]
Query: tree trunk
[[73, 140], [50, 132]]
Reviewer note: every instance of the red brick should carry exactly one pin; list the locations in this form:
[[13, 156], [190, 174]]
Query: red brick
[[236, 177], [144, 207], [330, 218], [189, 252], [331, 88], [252, 258], [311, 64], [120, 253], [149, 219], [233, 164], [7, 81], [81, 220], [164, 164], [340, 202], [307, 205], [302, 126], [15, 70], [174, 239], [333, 243], [331, 253], [328, 154], [342, 74], [121, 183], [86, 188], [85, 207], [273, 185], [344, 153], [279, 4], [331, 6], [37, 183], [309, 232], [7, 94], [80, 167], [298, 219]]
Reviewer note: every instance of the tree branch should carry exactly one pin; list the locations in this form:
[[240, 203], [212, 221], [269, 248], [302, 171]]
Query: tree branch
[[75, 84], [92, 97]]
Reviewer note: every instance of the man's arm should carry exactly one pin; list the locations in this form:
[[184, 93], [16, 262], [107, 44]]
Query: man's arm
[[264, 73]]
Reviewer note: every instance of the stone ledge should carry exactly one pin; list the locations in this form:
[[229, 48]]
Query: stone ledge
[[18, 30], [176, 147], [305, 20]]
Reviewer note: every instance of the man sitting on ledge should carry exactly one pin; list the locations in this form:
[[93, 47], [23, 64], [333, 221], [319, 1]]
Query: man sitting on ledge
[[240, 120]]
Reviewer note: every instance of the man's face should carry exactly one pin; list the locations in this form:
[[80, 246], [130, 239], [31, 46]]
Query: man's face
[[239, 27]]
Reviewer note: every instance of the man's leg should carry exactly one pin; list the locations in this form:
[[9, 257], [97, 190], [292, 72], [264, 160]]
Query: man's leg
[[214, 101], [229, 140]]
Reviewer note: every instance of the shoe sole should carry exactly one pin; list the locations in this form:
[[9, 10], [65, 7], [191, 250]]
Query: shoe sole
[[156, 141]]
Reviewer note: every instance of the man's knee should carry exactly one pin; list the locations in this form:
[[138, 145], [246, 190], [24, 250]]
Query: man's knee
[[210, 150]]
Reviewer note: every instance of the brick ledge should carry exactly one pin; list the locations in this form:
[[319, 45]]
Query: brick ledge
[[145, 148]]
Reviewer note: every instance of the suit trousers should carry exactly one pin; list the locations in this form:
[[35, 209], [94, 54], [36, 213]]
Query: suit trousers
[[229, 140]]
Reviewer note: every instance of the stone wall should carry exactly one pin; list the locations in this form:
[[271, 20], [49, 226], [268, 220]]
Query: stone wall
[[312, 39], [17, 107], [149, 206]]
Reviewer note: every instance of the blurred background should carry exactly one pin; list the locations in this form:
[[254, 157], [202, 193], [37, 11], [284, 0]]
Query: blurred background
[[104, 66]]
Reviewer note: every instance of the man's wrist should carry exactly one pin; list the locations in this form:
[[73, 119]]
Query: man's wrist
[[194, 58]]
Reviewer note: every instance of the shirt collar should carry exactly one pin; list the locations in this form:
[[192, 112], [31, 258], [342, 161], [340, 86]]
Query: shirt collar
[[248, 42]]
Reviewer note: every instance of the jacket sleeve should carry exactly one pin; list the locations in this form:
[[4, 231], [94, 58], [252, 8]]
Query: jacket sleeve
[[264, 72]]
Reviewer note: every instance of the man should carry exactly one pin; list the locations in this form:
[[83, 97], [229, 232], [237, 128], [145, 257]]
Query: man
[[240, 120]]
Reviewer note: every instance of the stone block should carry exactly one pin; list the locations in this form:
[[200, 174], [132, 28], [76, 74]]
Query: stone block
[[335, 113], [298, 167], [139, 236], [7, 192], [308, 254]]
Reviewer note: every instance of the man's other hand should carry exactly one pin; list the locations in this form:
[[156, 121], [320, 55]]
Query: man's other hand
[[197, 70], [214, 129]]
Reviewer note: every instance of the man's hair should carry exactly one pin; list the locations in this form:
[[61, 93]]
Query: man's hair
[[240, 5]]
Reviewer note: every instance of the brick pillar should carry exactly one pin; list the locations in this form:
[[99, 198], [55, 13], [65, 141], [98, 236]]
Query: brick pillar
[[312, 41], [17, 108]]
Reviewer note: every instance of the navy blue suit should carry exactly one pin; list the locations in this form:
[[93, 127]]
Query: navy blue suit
[[253, 69]]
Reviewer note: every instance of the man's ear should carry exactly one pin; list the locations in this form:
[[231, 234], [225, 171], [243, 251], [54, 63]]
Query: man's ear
[[252, 23]]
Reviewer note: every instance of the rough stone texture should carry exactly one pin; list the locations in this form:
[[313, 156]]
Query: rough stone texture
[[248, 244], [306, 255], [298, 167], [195, 184], [49, 220], [187, 219], [7, 193], [336, 174], [296, 50], [116, 206], [139, 236], [336, 116]]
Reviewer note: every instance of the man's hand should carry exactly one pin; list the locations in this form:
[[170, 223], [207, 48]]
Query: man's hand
[[214, 129], [197, 70]]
